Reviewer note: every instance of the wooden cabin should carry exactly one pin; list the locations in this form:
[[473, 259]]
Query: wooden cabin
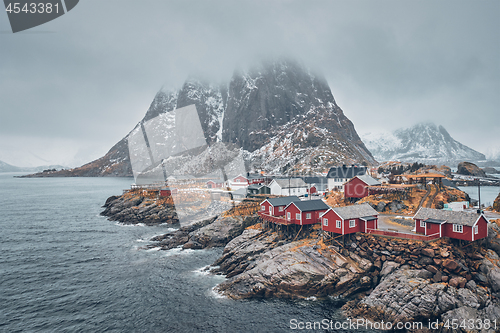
[[305, 212], [276, 206], [357, 187], [457, 225], [350, 219]]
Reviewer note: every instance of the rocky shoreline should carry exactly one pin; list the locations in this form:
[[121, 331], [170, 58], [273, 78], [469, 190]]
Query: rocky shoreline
[[378, 278]]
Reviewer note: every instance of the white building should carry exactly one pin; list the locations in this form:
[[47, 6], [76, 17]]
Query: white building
[[338, 176], [288, 186]]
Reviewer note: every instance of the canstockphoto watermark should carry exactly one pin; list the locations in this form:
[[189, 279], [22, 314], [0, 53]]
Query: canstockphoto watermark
[[355, 324], [363, 324], [25, 15]]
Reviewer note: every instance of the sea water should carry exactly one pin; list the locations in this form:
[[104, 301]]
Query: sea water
[[64, 268], [488, 193]]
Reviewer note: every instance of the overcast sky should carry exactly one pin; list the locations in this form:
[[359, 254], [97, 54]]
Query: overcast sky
[[71, 88]]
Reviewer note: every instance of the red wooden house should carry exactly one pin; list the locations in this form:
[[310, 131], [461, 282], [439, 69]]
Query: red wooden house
[[166, 192], [242, 180], [276, 206], [305, 212], [357, 187], [215, 183], [350, 219], [458, 225]]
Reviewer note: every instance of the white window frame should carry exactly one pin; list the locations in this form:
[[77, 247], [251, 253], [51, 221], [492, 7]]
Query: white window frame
[[271, 210], [352, 223], [325, 222], [263, 208], [289, 216], [339, 224], [281, 208], [458, 228], [308, 216], [422, 224], [297, 216], [476, 230]]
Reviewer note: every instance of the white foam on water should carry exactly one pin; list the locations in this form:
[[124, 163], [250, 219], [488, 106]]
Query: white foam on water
[[205, 270], [121, 224], [153, 249], [215, 294]]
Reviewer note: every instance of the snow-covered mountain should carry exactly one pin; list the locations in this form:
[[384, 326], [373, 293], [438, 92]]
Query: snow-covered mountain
[[424, 142], [5, 167], [281, 115]]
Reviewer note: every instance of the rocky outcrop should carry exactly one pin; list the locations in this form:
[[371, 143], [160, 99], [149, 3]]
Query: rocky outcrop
[[133, 208], [496, 203], [216, 232], [493, 238], [259, 265], [409, 295], [404, 296], [470, 169]]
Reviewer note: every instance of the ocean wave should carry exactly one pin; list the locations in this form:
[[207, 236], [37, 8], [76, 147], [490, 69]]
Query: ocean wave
[[205, 270], [88, 260], [121, 224]]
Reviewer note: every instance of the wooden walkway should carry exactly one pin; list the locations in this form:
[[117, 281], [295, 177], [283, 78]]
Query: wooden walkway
[[274, 219]]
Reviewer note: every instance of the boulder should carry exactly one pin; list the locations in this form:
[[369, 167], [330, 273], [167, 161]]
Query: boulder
[[470, 169], [494, 278], [450, 264], [428, 252], [388, 267]]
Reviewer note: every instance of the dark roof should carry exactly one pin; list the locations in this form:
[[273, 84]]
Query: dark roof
[[283, 201], [315, 180], [463, 218], [369, 218], [346, 171], [310, 205], [254, 187], [355, 211]]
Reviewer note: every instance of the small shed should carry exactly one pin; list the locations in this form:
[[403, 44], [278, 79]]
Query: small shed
[[258, 189]]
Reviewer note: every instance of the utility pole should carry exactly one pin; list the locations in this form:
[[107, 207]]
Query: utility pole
[[479, 211]]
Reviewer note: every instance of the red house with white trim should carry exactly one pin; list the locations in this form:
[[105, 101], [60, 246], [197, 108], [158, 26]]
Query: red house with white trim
[[305, 212], [350, 219], [357, 187], [244, 181], [216, 183], [457, 225], [276, 206]]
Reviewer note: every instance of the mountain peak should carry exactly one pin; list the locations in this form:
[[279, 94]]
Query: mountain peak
[[423, 142], [278, 112]]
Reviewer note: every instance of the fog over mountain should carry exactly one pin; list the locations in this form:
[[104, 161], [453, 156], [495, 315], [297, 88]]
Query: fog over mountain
[[283, 116]]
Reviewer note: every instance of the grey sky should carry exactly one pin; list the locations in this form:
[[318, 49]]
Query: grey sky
[[73, 87]]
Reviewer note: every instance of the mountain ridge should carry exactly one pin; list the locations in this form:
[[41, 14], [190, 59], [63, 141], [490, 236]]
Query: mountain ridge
[[250, 110], [424, 142]]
